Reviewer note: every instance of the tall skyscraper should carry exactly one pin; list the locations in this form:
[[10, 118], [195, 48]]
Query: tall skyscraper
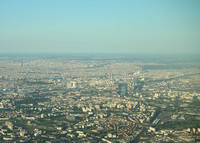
[[71, 85], [122, 90]]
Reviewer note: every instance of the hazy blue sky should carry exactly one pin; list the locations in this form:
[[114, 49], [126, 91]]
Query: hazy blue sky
[[100, 26]]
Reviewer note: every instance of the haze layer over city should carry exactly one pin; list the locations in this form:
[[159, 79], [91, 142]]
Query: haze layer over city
[[104, 71]]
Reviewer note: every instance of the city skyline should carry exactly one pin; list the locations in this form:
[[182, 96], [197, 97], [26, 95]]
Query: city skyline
[[99, 99]]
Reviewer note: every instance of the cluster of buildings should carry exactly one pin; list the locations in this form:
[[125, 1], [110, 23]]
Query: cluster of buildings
[[72, 100]]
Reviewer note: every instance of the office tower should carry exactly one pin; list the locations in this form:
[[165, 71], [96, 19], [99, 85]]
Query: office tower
[[122, 89]]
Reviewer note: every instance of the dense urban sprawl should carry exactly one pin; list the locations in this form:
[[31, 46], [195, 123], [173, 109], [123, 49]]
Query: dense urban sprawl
[[98, 100]]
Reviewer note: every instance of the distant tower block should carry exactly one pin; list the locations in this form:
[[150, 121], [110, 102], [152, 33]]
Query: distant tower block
[[122, 89], [71, 85], [22, 64]]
